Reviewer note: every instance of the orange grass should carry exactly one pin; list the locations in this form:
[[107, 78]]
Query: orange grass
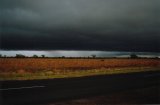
[[33, 65]]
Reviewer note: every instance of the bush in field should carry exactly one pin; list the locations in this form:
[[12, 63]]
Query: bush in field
[[93, 56], [35, 56], [20, 56], [133, 56], [156, 57], [0, 55], [63, 57], [43, 56]]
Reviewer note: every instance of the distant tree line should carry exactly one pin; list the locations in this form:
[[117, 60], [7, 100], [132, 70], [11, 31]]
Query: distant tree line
[[22, 56], [34, 56], [131, 56], [2, 56]]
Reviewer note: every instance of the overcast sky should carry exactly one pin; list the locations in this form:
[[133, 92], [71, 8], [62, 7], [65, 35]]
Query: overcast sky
[[103, 25]]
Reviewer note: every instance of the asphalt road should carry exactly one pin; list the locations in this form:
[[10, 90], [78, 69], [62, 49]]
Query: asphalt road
[[32, 92]]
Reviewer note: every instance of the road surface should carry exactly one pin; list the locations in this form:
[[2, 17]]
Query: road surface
[[32, 92]]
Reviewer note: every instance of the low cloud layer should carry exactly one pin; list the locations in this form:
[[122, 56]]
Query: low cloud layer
[[109, 25]]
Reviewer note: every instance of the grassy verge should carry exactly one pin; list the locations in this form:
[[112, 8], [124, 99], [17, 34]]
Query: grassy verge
[[71, 74]]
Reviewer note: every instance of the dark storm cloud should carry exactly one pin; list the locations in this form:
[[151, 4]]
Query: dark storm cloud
[[128, 25]]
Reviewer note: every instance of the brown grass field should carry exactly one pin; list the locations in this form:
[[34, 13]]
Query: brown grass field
[[37, 68]]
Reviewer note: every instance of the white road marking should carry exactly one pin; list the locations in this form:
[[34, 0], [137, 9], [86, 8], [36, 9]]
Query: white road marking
[[22, 88]]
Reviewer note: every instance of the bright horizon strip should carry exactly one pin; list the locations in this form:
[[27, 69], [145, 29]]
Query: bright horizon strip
[[59, 53]]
